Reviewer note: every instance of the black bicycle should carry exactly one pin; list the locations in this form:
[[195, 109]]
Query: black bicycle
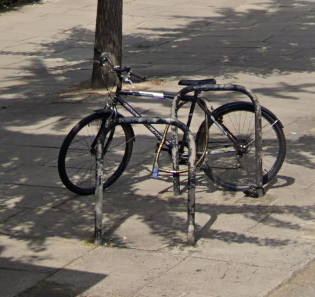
[[225, 140]]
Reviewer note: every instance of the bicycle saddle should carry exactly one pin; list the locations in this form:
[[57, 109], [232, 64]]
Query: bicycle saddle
[[195, 82]]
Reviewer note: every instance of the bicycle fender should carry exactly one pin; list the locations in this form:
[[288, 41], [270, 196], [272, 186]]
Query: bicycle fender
[[108, 112], [264, 109]]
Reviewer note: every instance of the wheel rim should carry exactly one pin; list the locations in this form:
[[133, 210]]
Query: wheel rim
[[80, 157], [233, 166]]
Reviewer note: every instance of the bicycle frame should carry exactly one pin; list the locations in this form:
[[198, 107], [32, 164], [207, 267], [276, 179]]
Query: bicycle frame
[[193, 99], [134, 112]]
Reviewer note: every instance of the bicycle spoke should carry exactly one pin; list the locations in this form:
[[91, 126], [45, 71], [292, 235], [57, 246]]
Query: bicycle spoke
[[77, 161], [233, 165]]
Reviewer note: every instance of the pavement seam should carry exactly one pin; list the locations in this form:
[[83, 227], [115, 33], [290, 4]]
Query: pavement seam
[[31, 185], [12, 216], [240, 263], [262, 220]]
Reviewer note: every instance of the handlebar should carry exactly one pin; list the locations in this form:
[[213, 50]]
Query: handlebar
[[104, 57]]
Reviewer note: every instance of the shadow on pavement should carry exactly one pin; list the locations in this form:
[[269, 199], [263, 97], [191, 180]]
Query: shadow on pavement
[[35, 206], [21, 276]]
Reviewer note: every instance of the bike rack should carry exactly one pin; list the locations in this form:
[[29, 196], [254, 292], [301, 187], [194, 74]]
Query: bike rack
[[191, 172], [175, 123], [258, 133]]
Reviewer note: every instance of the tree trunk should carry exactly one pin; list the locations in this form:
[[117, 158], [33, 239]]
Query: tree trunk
[[108, 37]]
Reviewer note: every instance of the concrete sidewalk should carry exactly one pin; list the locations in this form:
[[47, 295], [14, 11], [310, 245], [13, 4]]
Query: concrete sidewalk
[[246, 247]]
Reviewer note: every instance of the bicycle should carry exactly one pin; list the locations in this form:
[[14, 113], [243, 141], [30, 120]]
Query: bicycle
[[224, 140]]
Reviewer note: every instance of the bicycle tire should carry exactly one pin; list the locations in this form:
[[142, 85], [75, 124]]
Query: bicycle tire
[[220, 165], [76, 161]]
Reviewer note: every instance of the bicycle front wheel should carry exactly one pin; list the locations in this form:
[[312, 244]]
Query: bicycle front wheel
[[77, 156], [233, 165]]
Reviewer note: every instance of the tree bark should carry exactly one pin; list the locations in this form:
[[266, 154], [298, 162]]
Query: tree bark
[[108, 37]]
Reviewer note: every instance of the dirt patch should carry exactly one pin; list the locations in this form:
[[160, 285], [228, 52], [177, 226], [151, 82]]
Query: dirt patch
[[85, 89]]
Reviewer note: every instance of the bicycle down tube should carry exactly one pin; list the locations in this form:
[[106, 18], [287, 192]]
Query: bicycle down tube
[[135, 113], [193, 99]]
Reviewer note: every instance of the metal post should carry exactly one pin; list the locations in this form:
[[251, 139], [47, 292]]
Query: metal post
[[175, 157], [258, 133], [99, 194], [258, 151], [191, 204]]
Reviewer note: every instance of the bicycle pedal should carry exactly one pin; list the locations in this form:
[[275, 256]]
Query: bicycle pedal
[[252, 191], [183, 162]]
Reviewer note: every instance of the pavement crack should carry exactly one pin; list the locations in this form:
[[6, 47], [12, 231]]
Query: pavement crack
[[307, 187], [225, 272]]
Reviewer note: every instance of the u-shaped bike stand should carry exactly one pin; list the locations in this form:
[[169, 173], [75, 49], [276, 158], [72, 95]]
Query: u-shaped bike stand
[[191, 172], [176, 124], [258, 131]]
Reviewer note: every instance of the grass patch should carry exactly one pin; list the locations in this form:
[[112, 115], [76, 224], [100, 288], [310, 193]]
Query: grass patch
[[6, 5]]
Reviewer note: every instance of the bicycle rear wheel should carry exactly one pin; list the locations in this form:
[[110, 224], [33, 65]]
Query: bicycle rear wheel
[[229, 166], [77, 156]]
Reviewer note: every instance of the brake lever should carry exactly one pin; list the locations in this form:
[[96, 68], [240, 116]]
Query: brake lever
[[128, 80]]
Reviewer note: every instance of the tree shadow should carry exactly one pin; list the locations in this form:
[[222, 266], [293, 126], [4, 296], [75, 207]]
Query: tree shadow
[[32, 279], [297, 154], [35, 210], [36, 207]]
